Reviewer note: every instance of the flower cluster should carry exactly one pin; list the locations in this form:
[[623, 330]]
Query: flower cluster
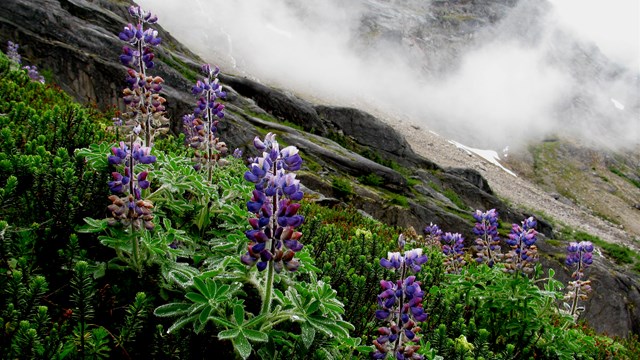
[[273, 237], [127, 206], [579, 255], [201, 126], [401, 307], [145, 106], [432, 234], [33, 73], [453, 250], [524, 253], [488, 241], [12, 52], [16, 61]]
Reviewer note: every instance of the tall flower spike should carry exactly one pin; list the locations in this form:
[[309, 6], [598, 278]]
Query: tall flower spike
[[400, 307], [145, 106], [488, 241], [523, 254], [272, 237], [580, 256], [12, 52], [128, 208], [432, 234], [201, 127], [453, 250]]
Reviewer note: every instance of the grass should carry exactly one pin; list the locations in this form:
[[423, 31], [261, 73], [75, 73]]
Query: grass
[[178, 65], [619, 172], [620, 254], [455, 199]]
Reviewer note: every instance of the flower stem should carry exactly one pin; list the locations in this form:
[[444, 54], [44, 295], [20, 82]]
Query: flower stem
[[266, 303]]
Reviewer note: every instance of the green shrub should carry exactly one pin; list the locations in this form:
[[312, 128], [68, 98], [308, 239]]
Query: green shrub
[[341, 187]]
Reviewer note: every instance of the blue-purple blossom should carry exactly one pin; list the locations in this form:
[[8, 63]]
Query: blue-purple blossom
[[201, 127], [488, 241], [144, 104], [34, 75], [524, 253], [453, 250], [400, 307], [128, 207], [12, 52], [272, 236], [580, 256]]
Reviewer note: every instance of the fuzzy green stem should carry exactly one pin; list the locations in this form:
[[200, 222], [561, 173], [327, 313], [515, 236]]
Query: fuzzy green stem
[[134, 239], [266, 303]]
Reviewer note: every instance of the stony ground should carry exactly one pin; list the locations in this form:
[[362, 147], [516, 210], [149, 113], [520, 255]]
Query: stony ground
[[517, 190]]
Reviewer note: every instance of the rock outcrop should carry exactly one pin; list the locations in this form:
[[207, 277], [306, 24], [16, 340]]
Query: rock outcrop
[[76, 41]]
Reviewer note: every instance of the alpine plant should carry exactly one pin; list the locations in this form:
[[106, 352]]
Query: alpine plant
[[523, 254], [201, 126], [453, 250], [16, 61], [432, 234], [400, 307], [145, 106], [273, 236], [579, 256], [128, 207], [488, 241]]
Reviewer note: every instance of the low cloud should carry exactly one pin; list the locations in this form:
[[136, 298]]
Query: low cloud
[[504, 89]]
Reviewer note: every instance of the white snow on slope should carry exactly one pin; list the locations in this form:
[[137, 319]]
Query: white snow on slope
[[489, 155]]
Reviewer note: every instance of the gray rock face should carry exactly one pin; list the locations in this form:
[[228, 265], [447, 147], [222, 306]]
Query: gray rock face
[[77, 41]]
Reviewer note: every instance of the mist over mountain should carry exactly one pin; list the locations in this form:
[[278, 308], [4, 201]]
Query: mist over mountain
[[486, 73]]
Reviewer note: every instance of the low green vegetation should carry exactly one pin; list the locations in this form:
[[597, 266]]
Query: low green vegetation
[[621, 174], [74, 285], [622, 255]]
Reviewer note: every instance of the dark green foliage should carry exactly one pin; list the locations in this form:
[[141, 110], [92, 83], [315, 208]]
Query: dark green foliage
[[618, 172], [371, 179], [348, 247], [341, 187]]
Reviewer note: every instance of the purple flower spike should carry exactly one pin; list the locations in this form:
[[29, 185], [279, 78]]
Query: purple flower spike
[[579, 256], [401, 309], [273, 200], [12, 52]]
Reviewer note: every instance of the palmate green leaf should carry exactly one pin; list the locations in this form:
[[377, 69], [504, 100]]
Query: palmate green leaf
[[255, 335], [172, 309], [308, 334], [242, 345], [181, 323], [93, 225], [195, 297], [205, 313], [228, 334], [238, 314], [95, 155]]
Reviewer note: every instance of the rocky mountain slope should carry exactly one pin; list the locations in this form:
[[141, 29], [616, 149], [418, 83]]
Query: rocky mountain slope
[[388, 174]]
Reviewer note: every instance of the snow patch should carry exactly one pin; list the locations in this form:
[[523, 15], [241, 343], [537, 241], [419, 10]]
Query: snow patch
[[489, 155], [617, 104]]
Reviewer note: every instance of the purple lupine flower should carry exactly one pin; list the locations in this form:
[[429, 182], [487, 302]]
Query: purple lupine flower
[[488, 241], [580, 256], [400, 307], [34, 75], [128, 207], [453, 250], [524, 253], [12, 52], [273, 237], [201, 126], [142, 98]]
